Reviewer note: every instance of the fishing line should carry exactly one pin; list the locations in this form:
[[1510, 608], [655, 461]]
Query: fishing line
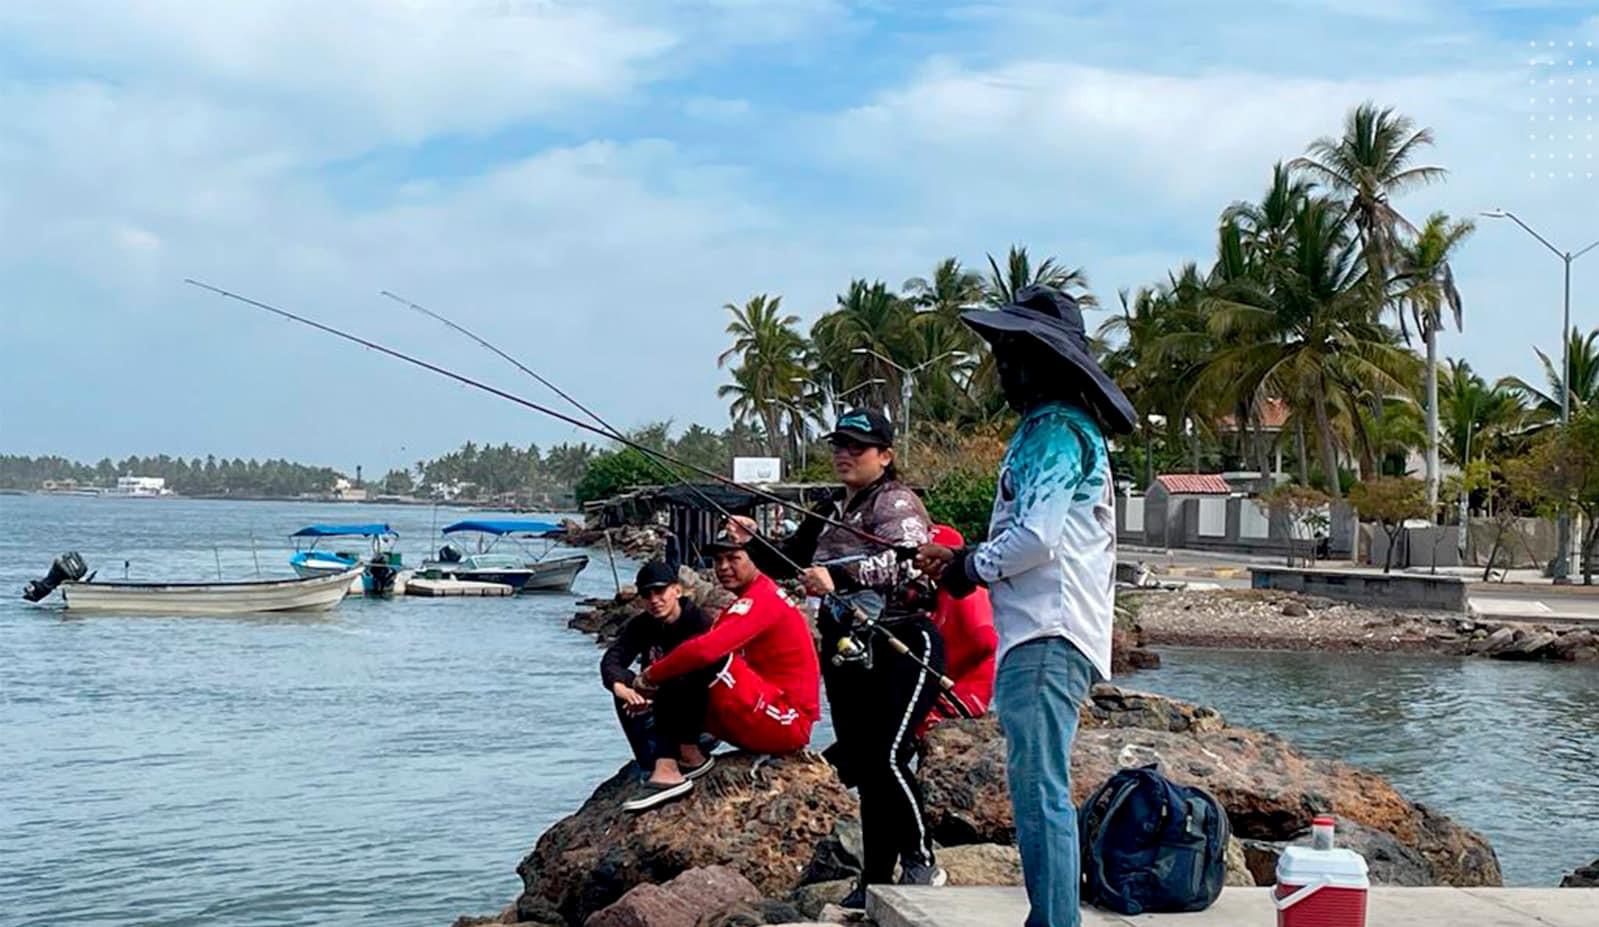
[[863, 621], [943, 681]]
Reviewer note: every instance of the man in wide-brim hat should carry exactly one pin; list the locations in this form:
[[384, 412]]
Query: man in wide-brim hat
[[1049, 564]]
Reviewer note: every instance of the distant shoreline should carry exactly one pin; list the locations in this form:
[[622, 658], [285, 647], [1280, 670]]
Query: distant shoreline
[[242, 497]]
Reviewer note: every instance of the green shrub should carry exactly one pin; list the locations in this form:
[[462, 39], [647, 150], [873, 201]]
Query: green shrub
[[963, 500], [616, 471]]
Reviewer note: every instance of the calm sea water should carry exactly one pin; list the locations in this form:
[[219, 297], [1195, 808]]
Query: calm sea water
[[390, 762]]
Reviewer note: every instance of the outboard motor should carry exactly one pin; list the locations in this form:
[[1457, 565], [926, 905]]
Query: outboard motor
[[449, 553], [383, 569], [67, 567]]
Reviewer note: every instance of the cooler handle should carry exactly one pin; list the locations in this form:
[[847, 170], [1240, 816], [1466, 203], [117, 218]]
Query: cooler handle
[[1289, 901]]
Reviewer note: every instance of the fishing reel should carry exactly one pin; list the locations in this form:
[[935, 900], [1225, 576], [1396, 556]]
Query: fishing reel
[[853, 617]]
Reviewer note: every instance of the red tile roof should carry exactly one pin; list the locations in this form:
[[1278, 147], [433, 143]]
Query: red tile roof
[[1273, 416], [1194, 484]]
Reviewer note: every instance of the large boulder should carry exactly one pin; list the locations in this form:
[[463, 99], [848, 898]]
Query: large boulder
[[1582, 877], [982, 864], [838, 855], [760, 819], [1388, 861], [681, 902], [1271, 791], [755, 913]]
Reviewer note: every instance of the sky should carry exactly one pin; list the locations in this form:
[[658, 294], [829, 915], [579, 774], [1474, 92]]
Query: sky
[[588, 184]]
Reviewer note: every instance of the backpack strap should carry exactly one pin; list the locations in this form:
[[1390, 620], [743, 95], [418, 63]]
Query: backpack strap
[[1129, 784]]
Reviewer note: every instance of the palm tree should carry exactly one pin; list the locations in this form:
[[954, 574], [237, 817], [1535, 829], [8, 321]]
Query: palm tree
[[1309, 337], [1584, 363], [1266, 227], [1474, 414], [770, 353], [943, 391], [951, 290], [850, 343], [1364, 169], [1426, 284], [1019, 272]]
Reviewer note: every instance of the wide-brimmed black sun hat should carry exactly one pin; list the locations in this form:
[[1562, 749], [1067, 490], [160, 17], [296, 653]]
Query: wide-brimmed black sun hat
[[1052, 318]]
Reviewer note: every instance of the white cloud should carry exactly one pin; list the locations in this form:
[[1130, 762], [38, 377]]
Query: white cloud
[[154, 144], [398, 70]]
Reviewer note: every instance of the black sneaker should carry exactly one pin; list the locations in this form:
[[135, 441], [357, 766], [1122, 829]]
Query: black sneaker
[[922, 874], [652, 794], [855, 900], [700, 770]]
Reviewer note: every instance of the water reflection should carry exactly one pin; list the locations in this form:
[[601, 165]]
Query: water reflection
[[1507, 748]]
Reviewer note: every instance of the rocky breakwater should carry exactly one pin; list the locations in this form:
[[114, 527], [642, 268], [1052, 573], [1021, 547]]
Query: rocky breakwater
[[1271, 791], [1261, 619], [641, 542], [774, 841], [762, 820]]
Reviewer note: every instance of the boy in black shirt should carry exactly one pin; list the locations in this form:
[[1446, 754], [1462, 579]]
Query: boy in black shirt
[[664, 730]]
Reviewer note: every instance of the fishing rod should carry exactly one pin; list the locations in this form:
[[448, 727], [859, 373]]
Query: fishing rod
[[658, 457], [944, 682], [602, 431], [850, 650]]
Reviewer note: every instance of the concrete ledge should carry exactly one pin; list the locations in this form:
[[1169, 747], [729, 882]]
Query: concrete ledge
[[1396, 590], [919, 906]]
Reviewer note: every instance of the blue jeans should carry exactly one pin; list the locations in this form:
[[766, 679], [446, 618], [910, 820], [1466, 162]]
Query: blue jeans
[[1036, 692]]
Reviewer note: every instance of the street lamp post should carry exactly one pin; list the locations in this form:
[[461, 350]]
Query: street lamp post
[[1560, 569], [831, 399], [907, 379]]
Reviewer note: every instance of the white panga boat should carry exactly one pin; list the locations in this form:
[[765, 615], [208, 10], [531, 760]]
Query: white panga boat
[[525, 572], [314, 593]]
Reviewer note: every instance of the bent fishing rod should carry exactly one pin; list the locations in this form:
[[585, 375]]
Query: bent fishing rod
[[604, 432], [659, 458], [943, 681], [849, 649]]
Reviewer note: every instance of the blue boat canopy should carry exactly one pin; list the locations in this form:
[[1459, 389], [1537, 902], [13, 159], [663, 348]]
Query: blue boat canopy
[[503, 526], [344, 531]]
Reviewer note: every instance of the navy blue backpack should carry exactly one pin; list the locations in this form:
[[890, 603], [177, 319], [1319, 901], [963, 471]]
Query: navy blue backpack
[[1149, 845]]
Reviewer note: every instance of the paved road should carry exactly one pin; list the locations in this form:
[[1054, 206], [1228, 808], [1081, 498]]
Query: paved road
[[1525, 596]]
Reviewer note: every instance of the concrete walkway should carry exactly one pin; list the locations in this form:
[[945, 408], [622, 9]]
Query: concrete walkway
[[1251, 907], [1526, 597]]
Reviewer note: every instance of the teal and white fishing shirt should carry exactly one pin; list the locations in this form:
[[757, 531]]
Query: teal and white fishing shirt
[[1050, 561]]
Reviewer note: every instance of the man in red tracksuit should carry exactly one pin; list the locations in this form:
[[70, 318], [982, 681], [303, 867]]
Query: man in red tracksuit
[[967, 626], [764, 696]]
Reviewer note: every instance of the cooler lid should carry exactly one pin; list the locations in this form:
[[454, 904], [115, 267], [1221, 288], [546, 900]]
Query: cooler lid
[[1339, 867]]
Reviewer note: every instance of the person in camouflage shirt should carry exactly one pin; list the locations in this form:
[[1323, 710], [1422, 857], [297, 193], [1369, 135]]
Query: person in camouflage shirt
[[876, 704]]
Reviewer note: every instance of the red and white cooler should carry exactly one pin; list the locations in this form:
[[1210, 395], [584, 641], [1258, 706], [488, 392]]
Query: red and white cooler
[[1319, 885]]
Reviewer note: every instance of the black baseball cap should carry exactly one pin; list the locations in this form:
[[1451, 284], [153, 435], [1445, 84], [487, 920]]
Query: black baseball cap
[[724, 541], [865, 426], [655, 575]]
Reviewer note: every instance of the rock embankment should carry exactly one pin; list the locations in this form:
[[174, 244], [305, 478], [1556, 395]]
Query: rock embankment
[[1262, 619], [640, 542], [788, 829], [1271, 791]]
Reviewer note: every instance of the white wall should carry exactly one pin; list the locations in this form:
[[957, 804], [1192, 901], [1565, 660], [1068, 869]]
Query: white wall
[[1133, 514], [1254, 522], [1213, 516]]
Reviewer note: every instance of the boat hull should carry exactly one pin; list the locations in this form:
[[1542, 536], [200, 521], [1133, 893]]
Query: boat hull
[[317, 593], [555, 575], [314, 563]]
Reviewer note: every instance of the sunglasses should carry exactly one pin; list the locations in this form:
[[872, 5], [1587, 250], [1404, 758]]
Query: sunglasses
[[853, 448]]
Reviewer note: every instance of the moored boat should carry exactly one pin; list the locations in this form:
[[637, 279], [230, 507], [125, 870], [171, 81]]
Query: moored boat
[[524, 571], [379, 567], [83, 593]]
